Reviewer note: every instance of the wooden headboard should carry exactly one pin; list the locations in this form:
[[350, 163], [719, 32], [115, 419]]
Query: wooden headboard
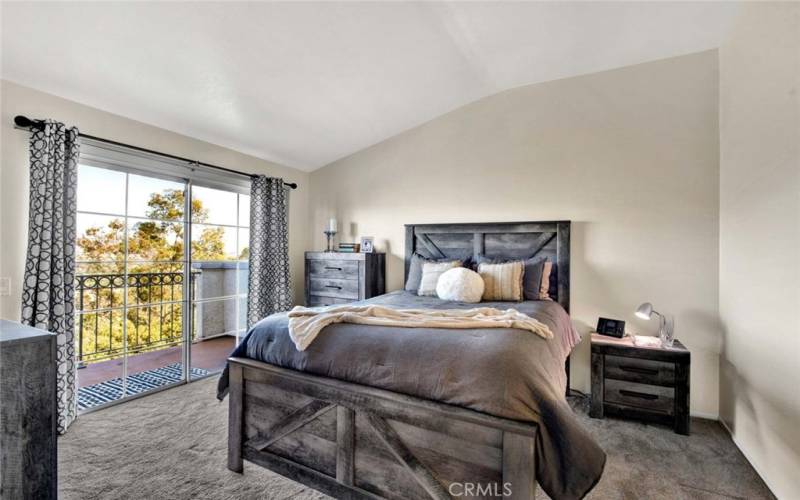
[[509, 240]]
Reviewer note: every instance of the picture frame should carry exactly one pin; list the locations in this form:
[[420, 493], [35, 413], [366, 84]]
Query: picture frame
[[367, 244]]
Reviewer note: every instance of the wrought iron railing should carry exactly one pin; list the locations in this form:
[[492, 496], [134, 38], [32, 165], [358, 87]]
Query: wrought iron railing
[[151, 316]]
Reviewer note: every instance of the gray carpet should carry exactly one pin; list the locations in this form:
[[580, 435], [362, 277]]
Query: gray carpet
[[172, 445]]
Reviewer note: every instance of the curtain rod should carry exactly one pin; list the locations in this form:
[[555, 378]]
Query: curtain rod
[[25, 123]]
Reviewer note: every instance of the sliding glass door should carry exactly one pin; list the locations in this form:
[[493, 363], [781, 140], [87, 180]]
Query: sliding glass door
[[161, 281], [129, 285], [219, 235]]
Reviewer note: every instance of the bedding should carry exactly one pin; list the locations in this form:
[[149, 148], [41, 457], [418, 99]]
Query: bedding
[[431, 271], [305, 323], [460, 284], [505, 372], [544, 291], [532, 277], [502, 281], [415, 270]]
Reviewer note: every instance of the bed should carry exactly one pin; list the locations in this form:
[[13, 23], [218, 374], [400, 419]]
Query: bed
[[388, 412]]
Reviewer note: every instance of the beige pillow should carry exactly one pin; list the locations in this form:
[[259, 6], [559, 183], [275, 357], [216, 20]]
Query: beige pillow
[[544, 291], [502, 281], [430, 275]]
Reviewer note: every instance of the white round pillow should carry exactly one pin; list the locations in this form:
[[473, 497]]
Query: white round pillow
[[460, 285]]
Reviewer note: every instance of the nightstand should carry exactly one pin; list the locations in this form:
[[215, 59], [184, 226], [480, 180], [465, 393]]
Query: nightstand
[[647, 383], [339, 277]]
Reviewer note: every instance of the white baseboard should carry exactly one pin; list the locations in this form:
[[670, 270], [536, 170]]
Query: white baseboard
[[230, 333], [707, 416], [760, 474]]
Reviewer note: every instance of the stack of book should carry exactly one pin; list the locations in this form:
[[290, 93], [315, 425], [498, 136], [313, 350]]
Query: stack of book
[[349, 247]]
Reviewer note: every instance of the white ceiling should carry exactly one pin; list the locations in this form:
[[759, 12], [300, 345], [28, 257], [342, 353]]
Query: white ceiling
[[304, 84]]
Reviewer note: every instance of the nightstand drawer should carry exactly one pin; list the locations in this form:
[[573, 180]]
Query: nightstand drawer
[[336, 269], [317, 301], [343, 276], [345, 289], [644, 371], [648, 397]]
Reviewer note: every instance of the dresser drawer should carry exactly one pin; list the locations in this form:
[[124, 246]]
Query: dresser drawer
[[336, 269], [318, 300], [644, 371], [648, 397], [344, 289]]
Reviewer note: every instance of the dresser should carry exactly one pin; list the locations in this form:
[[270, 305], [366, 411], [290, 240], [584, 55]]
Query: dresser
[[646, 383], [339, 278], [27, 412]]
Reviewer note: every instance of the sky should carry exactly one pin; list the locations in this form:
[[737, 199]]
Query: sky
[[102, 190]]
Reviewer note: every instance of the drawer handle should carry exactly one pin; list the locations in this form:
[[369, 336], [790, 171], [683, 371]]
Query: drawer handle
[[640, 395], [636, 369], [333, 286], [333, 268]]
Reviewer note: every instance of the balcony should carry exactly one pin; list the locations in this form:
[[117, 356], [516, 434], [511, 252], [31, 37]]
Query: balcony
[[147, 309]]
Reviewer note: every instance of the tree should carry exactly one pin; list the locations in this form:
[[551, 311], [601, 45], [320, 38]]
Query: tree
[[153, 240], [161, 240]]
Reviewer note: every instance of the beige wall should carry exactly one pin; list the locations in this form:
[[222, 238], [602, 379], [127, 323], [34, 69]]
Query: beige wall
[[16, 99], [759, 241], [629, 155]]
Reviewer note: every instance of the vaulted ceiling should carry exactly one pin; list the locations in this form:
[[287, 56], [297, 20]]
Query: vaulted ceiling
[[304, 84]]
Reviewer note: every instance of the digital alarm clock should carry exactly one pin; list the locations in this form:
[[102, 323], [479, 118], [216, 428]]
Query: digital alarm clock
[[612, 327]]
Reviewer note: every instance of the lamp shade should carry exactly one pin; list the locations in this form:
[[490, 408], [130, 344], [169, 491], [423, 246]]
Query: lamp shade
[[645, 310]]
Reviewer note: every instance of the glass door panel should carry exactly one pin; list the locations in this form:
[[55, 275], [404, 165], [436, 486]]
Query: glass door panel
[[129, 284], [218, 278], [214, 206], [152, 198], [155, 241], [101, 190]]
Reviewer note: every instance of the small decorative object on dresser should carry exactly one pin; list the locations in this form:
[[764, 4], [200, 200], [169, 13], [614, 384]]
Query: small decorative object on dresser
[[349, 247], [367, 244], [649, 383], [339, 277], [27, 411], [330, 232]]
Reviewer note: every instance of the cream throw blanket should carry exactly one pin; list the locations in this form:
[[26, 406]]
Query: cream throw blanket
[[305, 323]]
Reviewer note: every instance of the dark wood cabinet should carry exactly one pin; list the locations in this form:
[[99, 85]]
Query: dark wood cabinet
[[27, 412], [648, 383], [338, 277]]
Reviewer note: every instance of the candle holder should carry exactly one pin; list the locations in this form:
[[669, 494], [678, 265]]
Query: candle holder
[[330, 235]]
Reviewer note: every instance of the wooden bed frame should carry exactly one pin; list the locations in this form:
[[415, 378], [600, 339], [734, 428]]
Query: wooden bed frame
[[354, 441]]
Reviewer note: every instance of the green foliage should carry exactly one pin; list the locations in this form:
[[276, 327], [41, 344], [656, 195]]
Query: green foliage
[[159, 322]]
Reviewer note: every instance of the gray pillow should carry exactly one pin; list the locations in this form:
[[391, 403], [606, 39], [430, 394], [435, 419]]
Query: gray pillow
[[531, 279], [415, 270]]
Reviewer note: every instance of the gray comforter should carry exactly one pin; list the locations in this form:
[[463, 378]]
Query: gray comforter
[[504, 372]]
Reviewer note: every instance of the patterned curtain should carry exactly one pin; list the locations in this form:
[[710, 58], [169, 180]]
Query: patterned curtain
[[269, 288], [48, 289]]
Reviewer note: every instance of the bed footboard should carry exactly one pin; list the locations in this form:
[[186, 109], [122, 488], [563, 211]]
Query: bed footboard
[[353, 441]]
